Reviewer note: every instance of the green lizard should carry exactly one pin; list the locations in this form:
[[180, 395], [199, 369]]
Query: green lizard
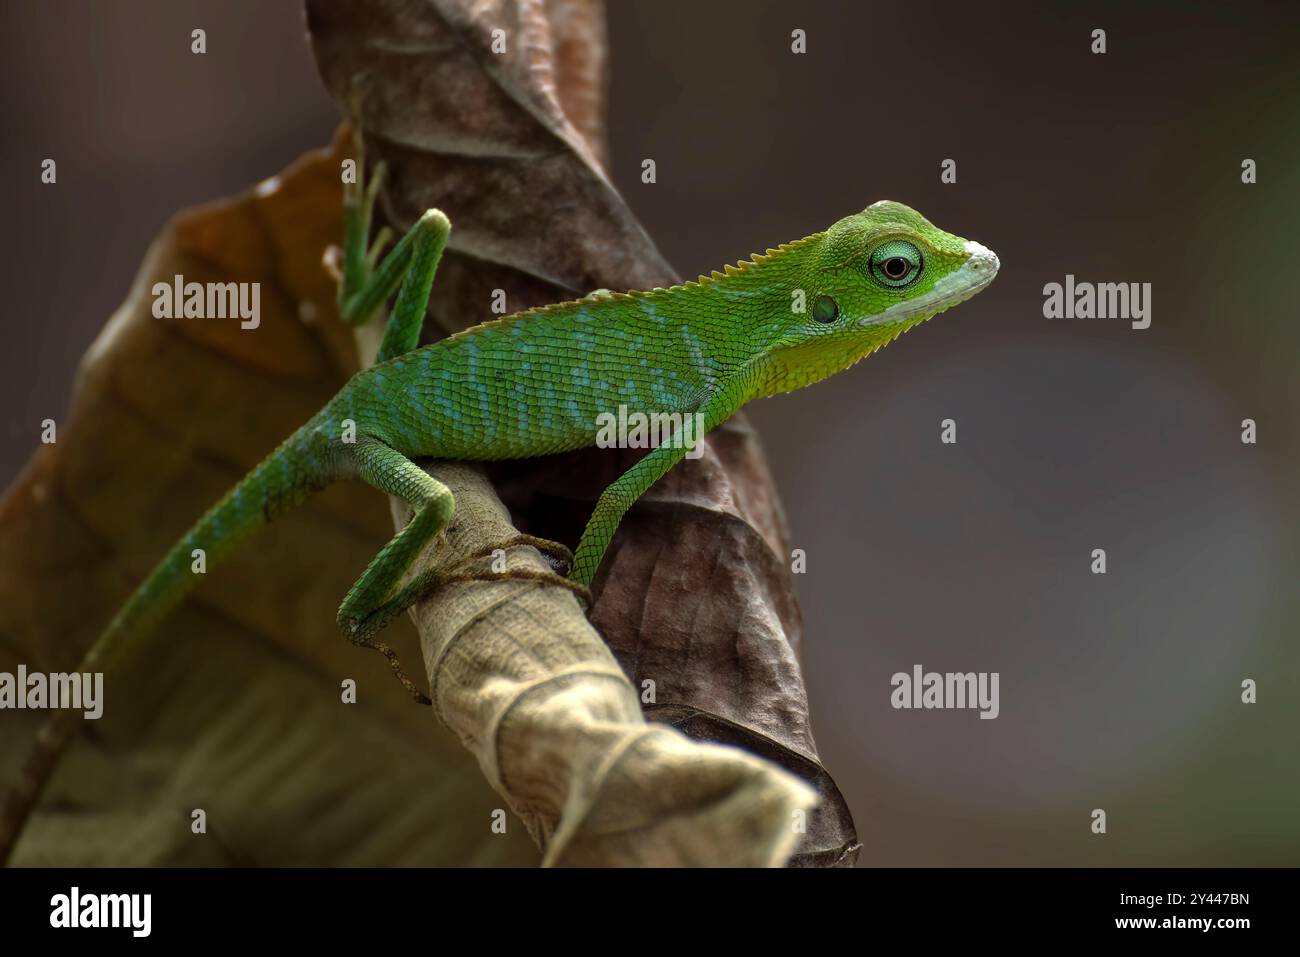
[[535, 382]]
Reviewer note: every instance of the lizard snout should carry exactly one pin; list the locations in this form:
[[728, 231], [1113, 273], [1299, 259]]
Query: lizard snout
[[983, 262]]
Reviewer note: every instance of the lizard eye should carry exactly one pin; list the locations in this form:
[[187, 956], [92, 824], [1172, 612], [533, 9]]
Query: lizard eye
[[896, 264]]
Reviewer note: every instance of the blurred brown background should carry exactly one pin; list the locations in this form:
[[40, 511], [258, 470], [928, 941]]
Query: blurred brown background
[[1119, 691]]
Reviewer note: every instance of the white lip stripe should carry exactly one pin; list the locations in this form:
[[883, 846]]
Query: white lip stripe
[[975, 273]]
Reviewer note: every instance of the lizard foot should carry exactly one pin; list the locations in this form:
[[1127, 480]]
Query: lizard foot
[[357, 635], [557, 556]]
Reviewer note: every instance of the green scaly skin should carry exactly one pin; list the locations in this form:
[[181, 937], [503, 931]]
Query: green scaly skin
[[534, 383]]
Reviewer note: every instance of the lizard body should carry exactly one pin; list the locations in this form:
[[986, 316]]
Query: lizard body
[[535, 383]]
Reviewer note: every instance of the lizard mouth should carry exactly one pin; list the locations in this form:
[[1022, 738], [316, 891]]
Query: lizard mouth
[[979, 269]]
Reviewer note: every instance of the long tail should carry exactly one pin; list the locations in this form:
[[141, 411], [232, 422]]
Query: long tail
[[284, 479]]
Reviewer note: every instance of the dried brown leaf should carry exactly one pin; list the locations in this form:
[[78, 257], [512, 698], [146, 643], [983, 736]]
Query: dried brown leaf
[[695, 593], [527, 684], [234, 705]]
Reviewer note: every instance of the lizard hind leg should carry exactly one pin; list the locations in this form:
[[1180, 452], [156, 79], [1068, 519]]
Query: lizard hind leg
[[365, 280], [359, 196], [379, 595], [410, 265]]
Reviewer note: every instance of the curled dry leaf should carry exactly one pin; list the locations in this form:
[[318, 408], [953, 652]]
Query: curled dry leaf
[[522, 678], [695, 594]]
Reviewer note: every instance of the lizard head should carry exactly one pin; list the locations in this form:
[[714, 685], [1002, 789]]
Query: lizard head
[[868, 279]]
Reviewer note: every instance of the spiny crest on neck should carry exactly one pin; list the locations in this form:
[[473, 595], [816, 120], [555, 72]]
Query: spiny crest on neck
[[603, 297]]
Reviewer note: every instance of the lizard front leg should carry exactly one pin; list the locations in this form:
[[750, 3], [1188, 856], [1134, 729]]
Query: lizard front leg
[[623, 492]]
